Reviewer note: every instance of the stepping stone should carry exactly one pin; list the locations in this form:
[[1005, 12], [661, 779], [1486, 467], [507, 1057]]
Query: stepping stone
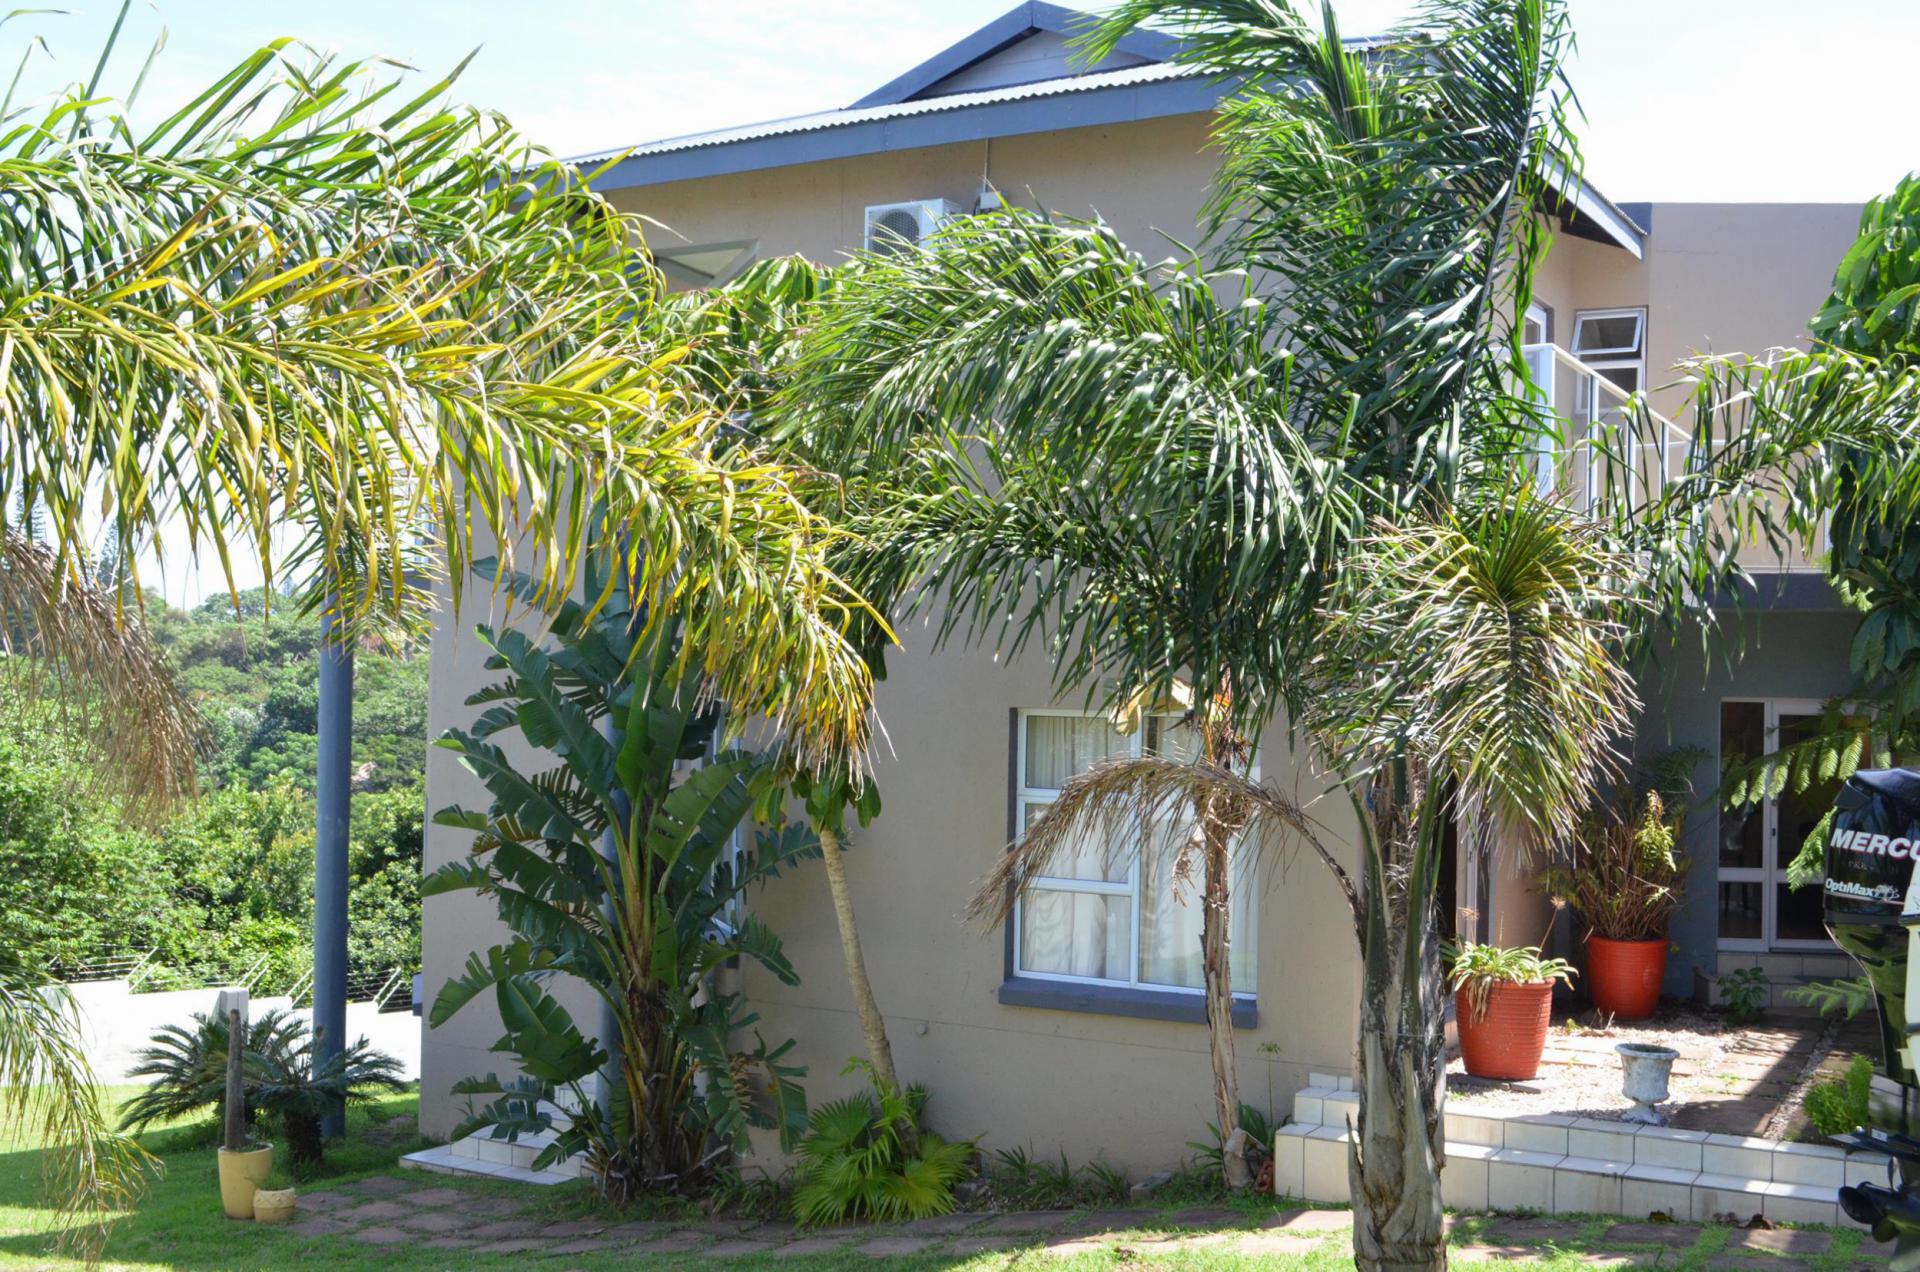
[[1756, 1263], [583, 1245], [935, 1225], [382, 1186], [319, 1226], [575, 1228], [438, 1197], [1533, 1231], [435, 1223], [375, 1211], [1027, 1221], [384, 1236], [737, 1248], [638, 1230], [895, 1247], [523, 1245], [726, 1227], [505, 1230], [1207, 1217], [321, 1202], [1676, 1236], [665, 1243], [810, 1245], [1311, 1220], [451, 1243], [1781, 1240]]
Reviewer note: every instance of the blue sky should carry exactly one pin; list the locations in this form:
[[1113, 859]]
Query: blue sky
[[1686, 99]]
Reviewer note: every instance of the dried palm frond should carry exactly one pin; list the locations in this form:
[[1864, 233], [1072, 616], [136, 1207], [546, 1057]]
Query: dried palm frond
[[1152, 790], [69, 642]]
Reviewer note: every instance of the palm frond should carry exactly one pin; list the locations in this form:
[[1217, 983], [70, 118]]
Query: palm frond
[[47, 1090], [66, 640], [1116, 797]]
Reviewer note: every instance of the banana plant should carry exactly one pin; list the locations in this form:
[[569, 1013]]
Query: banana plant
[[624, 864]]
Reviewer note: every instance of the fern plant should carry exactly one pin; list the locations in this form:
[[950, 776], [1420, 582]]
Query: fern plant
[[1844, 998], [855, 1162]]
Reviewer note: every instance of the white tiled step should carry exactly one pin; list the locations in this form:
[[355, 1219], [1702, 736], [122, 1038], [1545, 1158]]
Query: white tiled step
[[1310, 1162], [444, 1159], [1562, 1136]]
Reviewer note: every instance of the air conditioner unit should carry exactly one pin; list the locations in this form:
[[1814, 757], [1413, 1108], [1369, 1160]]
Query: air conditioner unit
[[894, 227]]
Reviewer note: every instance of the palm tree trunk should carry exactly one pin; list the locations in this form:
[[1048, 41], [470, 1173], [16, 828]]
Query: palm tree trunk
[[1399, 1145], [1216, 966], [873, 1027]]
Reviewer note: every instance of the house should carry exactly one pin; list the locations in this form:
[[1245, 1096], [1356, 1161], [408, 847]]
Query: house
[[1078, 1028]]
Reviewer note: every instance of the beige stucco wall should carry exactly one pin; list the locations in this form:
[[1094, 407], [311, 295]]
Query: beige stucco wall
[[1127, 1091]]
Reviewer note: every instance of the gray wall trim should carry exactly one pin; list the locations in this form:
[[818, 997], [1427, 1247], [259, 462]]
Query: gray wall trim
[[1793, 590], [1004, 30], [1085, 108], [1134, 1002], [1013, 825]]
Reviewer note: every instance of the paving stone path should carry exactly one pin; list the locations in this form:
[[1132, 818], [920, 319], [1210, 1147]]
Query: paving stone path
[[393, 1211]]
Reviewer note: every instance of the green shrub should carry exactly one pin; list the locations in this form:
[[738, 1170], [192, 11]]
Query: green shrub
[[1840, 1106], [856, 1161], [1743, 992], [188, 1067]]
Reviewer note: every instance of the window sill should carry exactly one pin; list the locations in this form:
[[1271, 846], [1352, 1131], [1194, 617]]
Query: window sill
[[1136, 1002]]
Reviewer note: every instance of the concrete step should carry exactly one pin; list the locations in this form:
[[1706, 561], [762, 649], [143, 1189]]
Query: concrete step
[[1561, 1164]]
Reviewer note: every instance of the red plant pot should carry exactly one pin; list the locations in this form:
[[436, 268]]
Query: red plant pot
[[1624, 976], [1505, 1042]]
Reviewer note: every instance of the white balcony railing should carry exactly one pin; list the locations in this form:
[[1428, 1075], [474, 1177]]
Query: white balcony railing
[[1609, 443]]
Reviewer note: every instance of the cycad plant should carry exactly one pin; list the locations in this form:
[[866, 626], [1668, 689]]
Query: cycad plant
[[858, 1160], [186, 1065], [623, 864], [287, 1082]]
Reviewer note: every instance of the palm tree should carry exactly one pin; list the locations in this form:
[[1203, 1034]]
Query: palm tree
[[1284, 483], [744, 339], [316, 305]]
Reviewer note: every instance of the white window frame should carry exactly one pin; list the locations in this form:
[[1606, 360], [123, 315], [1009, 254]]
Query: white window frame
[[1771, 873], [1025, 795]]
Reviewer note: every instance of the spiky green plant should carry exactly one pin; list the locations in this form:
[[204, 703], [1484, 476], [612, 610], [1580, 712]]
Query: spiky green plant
[[285, 1081], [616, 861], [186, 1066], [1477, 968], [856, 1162]]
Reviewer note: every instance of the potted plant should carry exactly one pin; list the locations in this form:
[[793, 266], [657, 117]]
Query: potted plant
[[1503, 1002], [244, 1165], [1625, 880]]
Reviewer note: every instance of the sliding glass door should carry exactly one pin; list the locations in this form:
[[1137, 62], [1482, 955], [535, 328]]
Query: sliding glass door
[[1757, 910]]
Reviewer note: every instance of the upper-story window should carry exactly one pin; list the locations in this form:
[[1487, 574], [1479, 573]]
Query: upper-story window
[[1116, 908], [1614, 343], [693, 266]]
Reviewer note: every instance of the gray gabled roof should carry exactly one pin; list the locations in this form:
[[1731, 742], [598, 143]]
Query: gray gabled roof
[[903, 115], [1004, 31]]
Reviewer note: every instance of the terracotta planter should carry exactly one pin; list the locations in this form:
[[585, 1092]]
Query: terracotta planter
[[1506, 1042], [1624, 976]]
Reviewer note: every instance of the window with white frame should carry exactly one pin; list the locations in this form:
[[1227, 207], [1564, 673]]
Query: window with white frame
[[1614, 343], [1122, 905]]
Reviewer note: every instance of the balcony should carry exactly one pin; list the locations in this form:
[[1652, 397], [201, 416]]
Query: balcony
[[1609, 444]]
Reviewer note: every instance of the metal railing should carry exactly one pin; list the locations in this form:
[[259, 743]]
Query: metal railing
[[128, 968], [1610, 445]]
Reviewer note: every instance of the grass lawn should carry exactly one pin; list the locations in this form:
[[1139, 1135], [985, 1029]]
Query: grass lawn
[[179, 1225]]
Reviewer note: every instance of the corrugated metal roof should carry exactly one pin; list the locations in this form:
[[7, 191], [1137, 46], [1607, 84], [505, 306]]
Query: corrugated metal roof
[[1151, 73]]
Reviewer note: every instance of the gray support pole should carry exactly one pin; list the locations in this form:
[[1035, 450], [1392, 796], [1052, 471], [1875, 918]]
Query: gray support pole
[[333, 789]]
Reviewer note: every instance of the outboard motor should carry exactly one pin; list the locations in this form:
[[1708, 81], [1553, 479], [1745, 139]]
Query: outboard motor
[[1873, 913]]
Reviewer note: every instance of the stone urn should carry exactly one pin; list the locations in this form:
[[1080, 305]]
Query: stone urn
[[1644, 1070]]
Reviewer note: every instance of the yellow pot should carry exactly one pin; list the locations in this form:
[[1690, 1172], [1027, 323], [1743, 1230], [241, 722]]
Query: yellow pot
[[273, 1205], [241, 1174]]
